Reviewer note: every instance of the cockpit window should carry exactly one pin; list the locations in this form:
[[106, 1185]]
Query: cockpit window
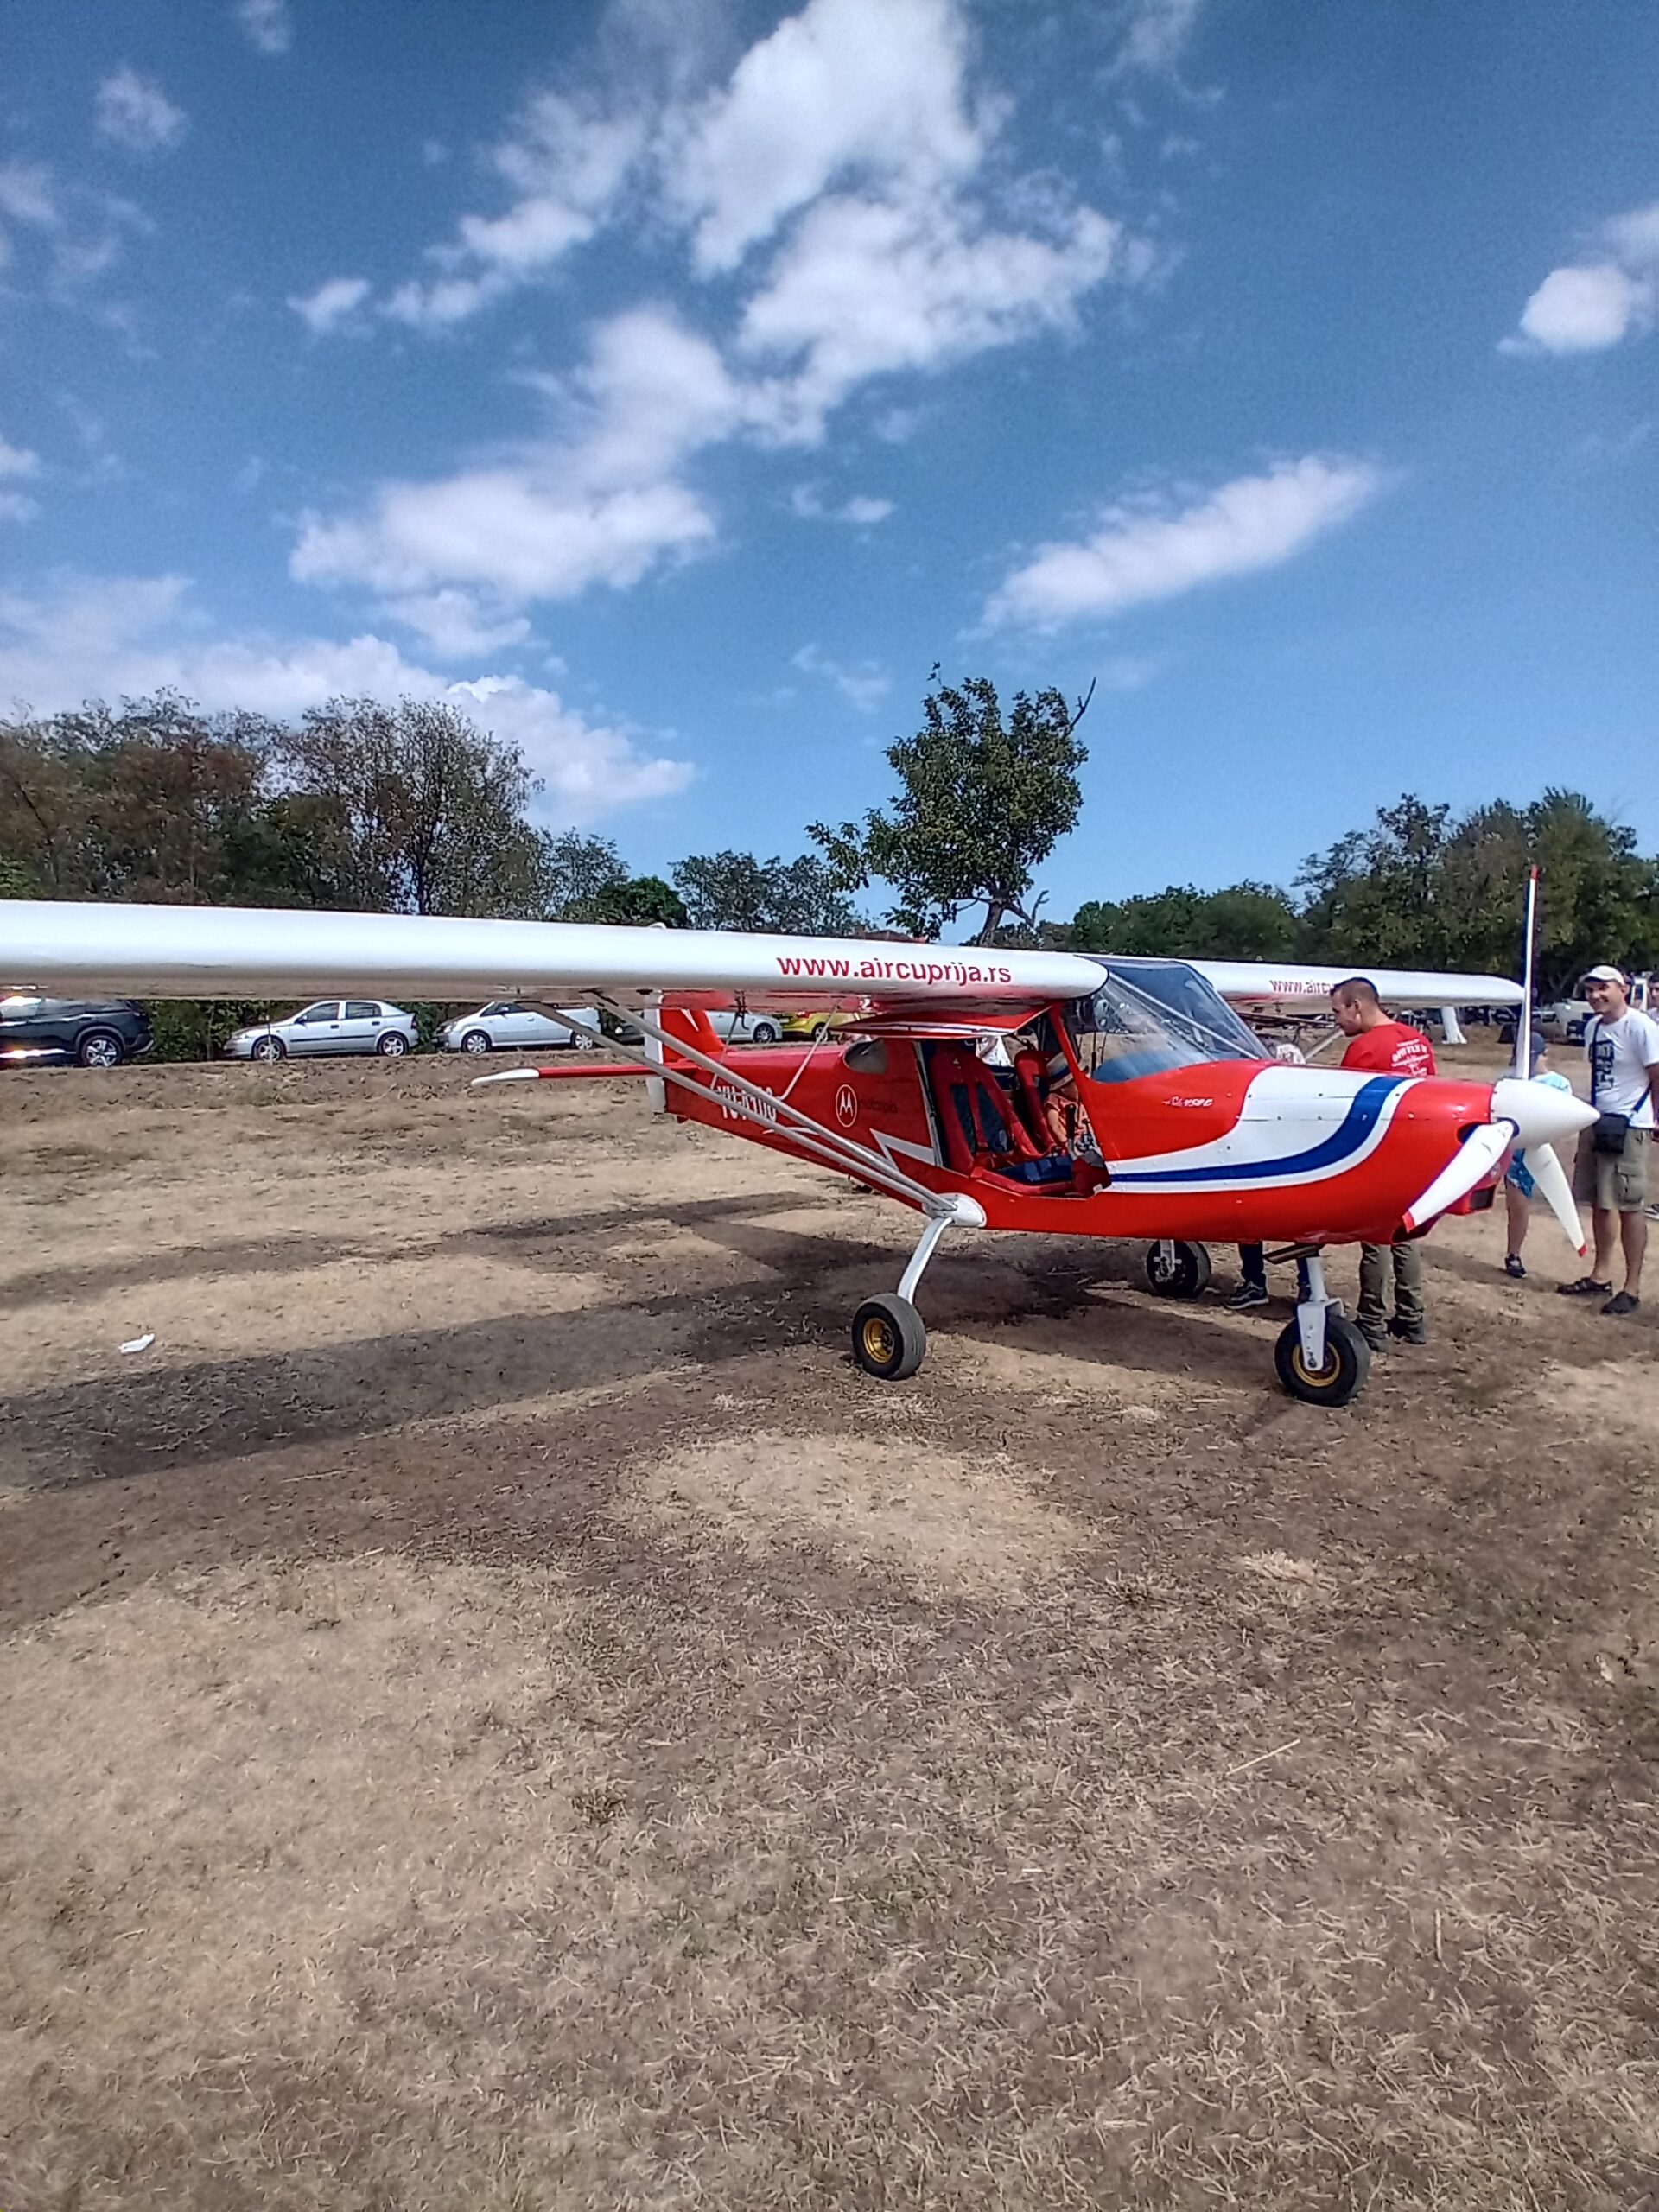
[[1149, 1016]]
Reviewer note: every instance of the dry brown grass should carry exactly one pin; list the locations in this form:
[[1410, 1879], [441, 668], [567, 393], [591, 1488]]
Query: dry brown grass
[[513, 1722]]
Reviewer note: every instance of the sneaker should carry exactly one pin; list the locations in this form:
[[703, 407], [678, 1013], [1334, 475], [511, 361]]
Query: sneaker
[[1407, 1332], [1622, 1305], [1515, 1266], [1247, 1295]]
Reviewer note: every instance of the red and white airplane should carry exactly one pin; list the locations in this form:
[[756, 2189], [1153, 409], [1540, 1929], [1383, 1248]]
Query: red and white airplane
[[1184, 1133]]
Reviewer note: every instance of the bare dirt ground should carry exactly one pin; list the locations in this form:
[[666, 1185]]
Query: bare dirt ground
[[498, 1714]]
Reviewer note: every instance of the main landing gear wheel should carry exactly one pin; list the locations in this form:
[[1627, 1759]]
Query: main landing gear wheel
[[1178, 1270], [888, 1337], [1347, 1362]]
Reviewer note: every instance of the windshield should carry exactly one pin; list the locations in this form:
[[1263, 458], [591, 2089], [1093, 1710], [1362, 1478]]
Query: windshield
[[1151, 1015]]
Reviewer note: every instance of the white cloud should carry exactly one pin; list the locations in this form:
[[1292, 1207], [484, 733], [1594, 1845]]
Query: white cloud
[[844, 168], [603, 505], [567, 165], [1584, 308], [864, 685], [873, 87], [333, 304], [807, 501], [265, 24], [134, 112], [1142, 553], [1157, 34], [868, 286], [28, 195], [113, 637], [456, 626], [17, 460], [80, 231]]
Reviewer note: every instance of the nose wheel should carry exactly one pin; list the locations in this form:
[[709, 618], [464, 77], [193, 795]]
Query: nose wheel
[[889, 1338], [1333, 1375]]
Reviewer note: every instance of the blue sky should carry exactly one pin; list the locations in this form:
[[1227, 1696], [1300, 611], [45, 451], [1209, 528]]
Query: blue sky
[[682, 378]]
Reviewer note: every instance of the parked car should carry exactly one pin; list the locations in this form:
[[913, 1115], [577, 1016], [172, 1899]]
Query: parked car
[[96, 1032], [1563, 1022], [746, 1028], [508, 1025], [330, 1025]]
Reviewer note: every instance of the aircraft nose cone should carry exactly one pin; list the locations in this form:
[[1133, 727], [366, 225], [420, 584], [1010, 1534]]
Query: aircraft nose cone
[[1541, 1112]]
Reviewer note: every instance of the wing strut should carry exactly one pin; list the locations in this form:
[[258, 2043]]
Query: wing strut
[[749, 1102]]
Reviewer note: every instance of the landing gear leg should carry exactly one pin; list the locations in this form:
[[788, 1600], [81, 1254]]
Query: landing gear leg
[[1321, 1356], [889, 1338]]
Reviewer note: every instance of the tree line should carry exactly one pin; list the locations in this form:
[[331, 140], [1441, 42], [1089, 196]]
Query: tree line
[[411, 808]]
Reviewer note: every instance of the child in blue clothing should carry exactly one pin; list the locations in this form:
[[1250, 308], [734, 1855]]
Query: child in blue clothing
[[1517, 1182]]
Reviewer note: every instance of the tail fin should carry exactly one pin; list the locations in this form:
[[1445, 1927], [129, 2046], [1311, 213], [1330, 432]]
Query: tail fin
[[692, 1026]]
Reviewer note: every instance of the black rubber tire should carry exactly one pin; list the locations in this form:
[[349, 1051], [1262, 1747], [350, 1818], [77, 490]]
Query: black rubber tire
[[270, 1048], [476, 1040], [101, 1048], [765, 1033], [889, 1340], [392, 1045], [1185, 1275], [1347, 1362]]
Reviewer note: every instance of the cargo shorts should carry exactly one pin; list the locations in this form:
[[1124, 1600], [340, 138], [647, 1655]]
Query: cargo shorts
[[1615, 1181]]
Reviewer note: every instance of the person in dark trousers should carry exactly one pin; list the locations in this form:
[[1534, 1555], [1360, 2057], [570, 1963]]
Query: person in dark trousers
[[1378, 1045], [1253, 1280]]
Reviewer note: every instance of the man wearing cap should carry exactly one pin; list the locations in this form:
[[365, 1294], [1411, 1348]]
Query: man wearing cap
[[1611, 1173]]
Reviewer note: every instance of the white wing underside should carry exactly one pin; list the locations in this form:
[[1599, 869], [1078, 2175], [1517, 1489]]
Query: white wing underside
[[189, 952], [1264, 985]]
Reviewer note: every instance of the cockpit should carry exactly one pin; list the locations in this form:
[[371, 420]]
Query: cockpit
[[1151, 1016]]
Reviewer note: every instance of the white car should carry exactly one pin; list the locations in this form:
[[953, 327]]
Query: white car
[[330, 1025], [747, 1028], [506, 1025]]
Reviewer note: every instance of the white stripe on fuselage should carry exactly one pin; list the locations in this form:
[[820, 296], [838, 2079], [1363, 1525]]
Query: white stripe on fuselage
[[1287, 1113]]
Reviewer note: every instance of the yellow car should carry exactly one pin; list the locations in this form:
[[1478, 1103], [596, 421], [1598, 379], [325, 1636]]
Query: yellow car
[[804, 1027]]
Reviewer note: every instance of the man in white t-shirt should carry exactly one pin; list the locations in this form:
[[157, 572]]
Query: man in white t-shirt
[[1623, 1049]]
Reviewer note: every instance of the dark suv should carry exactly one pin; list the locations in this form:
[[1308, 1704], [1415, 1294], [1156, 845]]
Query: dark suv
[[97, 1034]]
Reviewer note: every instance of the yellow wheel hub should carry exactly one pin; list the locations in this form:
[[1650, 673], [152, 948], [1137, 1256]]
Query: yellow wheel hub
[[880, 1340]]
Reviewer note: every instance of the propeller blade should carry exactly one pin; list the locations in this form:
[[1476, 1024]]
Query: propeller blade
[[1477, 1156], [1541, 1112], [1549, 1179], [506, 1075]]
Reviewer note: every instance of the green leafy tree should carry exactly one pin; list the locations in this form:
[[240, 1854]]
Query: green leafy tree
[[1245, 921], [981, 804], [427, 811], [640, 899], [735, 890], [577, 872]]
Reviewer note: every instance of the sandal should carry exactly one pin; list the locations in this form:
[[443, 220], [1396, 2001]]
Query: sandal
[[1585, 1287], [1625, 1303]]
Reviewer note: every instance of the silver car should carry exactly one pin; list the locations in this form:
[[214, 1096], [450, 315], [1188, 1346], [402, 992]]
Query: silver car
[[747, 1028], [330, 1025], [508, 1025]]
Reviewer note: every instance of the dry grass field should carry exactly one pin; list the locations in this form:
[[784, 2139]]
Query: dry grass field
[[499, 1716]]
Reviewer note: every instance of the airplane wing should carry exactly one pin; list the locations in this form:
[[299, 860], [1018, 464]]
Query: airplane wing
[[163, 952], [1266, 986]]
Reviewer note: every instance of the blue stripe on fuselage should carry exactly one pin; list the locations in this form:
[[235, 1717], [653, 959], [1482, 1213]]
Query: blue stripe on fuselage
[[1344, 1142]]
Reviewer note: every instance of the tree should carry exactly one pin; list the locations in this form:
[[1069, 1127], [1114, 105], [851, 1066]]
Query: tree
[[427, 812], [981, 806], [576, 873], [1245, 921], [640, 899], [735, 890]]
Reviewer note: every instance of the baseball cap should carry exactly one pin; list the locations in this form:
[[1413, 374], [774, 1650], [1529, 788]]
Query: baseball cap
[[1604, 975]]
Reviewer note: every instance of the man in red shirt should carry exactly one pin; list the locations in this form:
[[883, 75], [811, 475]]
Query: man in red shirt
[[1377, 1045]]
